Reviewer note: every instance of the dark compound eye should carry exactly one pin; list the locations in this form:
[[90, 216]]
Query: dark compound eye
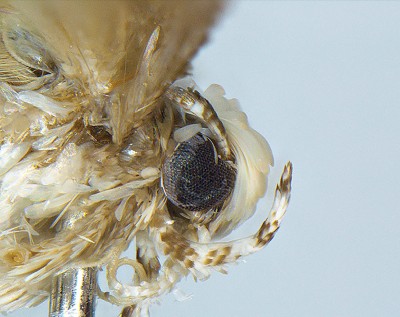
[[194, 178]]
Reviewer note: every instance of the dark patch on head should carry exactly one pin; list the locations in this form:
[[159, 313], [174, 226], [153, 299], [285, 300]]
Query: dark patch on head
[[194, 178]]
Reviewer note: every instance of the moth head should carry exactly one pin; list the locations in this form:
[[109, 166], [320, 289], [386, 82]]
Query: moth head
[[204, 188], [87, 138]]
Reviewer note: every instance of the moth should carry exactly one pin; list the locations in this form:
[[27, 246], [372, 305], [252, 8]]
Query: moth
[[103, 146]]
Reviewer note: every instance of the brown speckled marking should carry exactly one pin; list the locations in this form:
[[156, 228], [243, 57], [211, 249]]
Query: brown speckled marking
[[190, 252], [179, 249], [167, 250], [188, 263], [268, 229], [185, 253], [219, 259], [217, 256], [207, 261], [179, 254], [266, 232], [227, 250], [186, 99], [265, 227], [128, 311], [286, 181], [262, 242]]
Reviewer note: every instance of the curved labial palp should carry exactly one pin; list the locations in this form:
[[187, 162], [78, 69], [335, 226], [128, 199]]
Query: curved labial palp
[[191, 102]]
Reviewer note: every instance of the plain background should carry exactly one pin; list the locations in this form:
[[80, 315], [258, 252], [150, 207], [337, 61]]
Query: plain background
[[320, 80]]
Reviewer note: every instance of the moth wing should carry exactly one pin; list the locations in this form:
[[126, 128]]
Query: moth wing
[[130, 50]]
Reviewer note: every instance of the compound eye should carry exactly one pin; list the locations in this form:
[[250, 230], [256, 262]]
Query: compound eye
[[194, 178]]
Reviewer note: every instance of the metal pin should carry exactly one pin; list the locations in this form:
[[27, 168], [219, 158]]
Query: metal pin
[[73, 293]]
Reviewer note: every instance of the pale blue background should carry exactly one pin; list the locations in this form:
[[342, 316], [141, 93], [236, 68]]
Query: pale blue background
[[320, 80]]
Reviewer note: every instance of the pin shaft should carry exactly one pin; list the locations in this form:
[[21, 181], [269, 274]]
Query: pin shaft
[[73, 293]]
